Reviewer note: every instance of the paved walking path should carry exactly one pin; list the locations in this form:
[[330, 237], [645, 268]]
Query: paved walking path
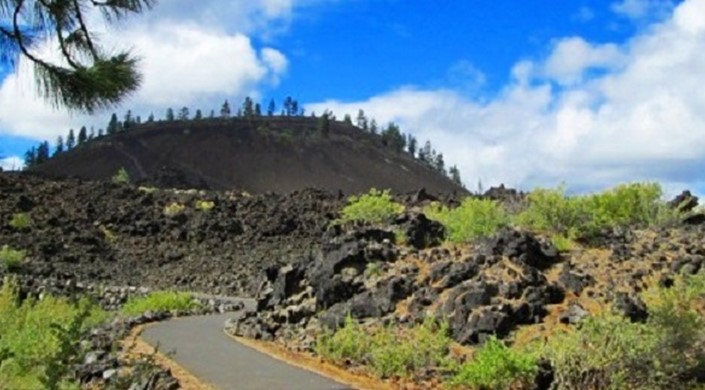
[[207, 352]]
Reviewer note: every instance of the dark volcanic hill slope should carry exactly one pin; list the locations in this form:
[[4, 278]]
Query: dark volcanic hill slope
[[279, 154]]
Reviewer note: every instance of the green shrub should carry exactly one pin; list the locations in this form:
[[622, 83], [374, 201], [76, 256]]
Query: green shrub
[[550, 211], [403, 352], [473, 218], [11, 258], [20, 221], [349, 343], [157, 301], [40, 339], [609, 351], [496, 366], [562, 243], [205, 205], [387, 351], [373, 207], [173, 208], [121, 177]]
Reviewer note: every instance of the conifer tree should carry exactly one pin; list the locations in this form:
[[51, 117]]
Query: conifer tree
[[82, 135], [198, 116], [169, 115], [248, 109], [183, 114], [86, 76], [225, 110], [59, 148], [129, 121], [271, 108], [455, 175], [70, 140], [30, 157], [411, 145], [324, 124], [113, 124], [42, 152], [258, 110], [347, 119], [150, 118], [373, 126], [361, 120]]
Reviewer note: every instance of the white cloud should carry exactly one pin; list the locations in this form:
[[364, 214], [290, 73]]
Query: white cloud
[[572, 57], [13, 163], [642, 117], [642, 9]]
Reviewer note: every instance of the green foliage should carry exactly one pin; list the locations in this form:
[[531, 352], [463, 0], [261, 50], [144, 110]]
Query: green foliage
[[496, 366], [20, 221], [121, 177], [11, 258], [173, 208], [611, 352], [388, 351], [157, 301], [40, 339], [373, 269], [473, 218], [349, 343], [562, 243], [374, 207], [550, 211], [205, 205]]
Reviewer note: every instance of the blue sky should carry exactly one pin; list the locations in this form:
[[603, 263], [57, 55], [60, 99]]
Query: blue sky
[[523, 93]]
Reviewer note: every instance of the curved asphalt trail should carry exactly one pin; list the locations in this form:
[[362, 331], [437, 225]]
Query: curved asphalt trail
[[202, 348]]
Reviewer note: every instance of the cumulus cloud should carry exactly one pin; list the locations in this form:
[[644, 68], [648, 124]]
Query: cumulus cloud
[[641, 117], [185, 62]]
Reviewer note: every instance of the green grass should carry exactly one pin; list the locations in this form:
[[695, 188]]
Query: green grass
[[473, 218], [11, 258], [373, 207], [496, 366], [40, 339], [157, 301], [20, 221]]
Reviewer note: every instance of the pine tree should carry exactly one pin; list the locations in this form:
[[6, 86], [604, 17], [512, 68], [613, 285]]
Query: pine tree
[[82, 135], [128, 122], [113, 124], [150, 118], [411, 145], [425, 152], [225, 110], [393, 138], [30, 157], [212, 114], [70, 140], [347, 119], [100, 133], [59, 148], [248, 108], [169, 114], [294, 108], [287, 106], [324, 124], [455, 175], [361, 120], [373, 126], [271, 108], [439, 164], [183, 114], [258, 110], [42, 152], [85, 77], [198, 116]]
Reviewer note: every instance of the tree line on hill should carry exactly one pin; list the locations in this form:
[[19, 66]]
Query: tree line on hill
[[391, 136]]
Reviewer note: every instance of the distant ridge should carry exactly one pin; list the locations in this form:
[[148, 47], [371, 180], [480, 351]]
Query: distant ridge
[[257, 155]]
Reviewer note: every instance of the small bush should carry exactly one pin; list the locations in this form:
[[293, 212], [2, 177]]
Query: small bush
[[388, 351], [11, 258], [609, 351], [349, 343], [473, 218], [373, 207], [20, 221], [121, 177], [158, 301], [550, 211], [562, 243], [173, 208], [40, 340], [205, 205], [496, 366]]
